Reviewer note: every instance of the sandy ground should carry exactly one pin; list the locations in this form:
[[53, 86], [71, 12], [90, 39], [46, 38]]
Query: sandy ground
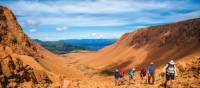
[[93, 78]]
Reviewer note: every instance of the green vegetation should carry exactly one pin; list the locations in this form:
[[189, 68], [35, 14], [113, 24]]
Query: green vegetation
[[107, 72], [14, 39], [1, 56], [66, 46], [1, 37], [59, 47]]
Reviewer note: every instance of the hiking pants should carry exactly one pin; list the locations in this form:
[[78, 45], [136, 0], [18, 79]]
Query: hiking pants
[[151, 79]]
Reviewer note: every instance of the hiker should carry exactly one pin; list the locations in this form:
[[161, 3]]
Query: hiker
[[143, 73], [117, 76], [131, 75], [122, 75], [151, 71], [170, 70]]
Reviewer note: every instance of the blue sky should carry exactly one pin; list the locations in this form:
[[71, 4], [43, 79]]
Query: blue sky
[[89, 19]]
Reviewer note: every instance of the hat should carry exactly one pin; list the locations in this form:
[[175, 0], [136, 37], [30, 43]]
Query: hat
[[151, 63], [133, 68], [171, 62], [116, 70]]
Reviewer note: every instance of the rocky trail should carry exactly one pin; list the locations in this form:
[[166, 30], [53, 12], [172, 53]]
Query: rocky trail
[[94, 78]]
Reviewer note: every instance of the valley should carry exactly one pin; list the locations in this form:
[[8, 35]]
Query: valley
[[27, 64]]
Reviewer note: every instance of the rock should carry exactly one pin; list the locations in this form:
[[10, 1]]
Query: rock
[[8, 50], [12, 85], [5, 68], [196, 76], [180, 67], [194, 86]]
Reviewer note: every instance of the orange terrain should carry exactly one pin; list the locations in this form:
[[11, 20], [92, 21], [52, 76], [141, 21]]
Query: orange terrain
[[26, 64]]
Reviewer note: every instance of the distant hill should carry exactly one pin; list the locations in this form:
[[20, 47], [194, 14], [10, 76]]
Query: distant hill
[[65, 46], [93, 44]]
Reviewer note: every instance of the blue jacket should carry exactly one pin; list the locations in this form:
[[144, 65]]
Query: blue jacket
[[151, 70], [116, 74]]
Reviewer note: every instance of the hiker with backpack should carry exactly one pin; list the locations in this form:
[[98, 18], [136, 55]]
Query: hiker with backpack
[[117, 77], [143, 74], [122, 76], [131, 75], [170, 70], [151, 71]]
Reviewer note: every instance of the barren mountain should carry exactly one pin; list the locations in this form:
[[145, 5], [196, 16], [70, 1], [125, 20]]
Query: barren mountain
[[157, 43], [178, 41]]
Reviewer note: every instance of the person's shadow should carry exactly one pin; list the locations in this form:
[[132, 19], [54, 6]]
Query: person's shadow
[[162, 85]]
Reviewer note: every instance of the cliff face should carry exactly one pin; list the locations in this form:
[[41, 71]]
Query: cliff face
[[19, 56], [157, 43], [12, 35]]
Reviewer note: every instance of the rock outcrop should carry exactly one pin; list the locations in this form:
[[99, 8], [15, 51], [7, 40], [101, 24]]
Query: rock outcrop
[[12, 35], [16, 70]]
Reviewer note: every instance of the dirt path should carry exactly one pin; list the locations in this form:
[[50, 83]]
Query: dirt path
[[93, 78]]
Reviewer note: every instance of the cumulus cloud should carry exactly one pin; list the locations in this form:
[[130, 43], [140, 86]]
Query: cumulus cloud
[[96, 35], [30, 22], [32, 30], [61, 29]]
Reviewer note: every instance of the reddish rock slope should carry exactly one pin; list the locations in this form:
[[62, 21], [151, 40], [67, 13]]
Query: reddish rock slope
[[157, 43]]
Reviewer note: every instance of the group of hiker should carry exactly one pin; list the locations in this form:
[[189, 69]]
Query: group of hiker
[[147, 74]]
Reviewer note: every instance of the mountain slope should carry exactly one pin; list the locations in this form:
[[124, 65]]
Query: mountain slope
[[157, 43]]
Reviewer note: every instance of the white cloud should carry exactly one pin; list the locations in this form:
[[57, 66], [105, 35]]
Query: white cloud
[[80, 13], [82, 21], [30, 22], [180, 17], [103, 35], [32, 30], [96, 35], [98, 6], [61, 29], [63, 12]]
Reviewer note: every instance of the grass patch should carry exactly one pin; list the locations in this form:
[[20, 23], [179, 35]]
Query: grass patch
[[107, 72], [14, 39]]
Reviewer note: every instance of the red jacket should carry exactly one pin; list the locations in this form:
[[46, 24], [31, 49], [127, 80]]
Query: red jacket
[[122, 73]]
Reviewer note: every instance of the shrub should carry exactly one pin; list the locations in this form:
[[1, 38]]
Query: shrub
[[107, 72], [1, 37], [14, 39]]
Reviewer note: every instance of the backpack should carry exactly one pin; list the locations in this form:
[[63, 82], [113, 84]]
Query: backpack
[[170, 69], [131, 73], [116, 74], [122, 73]]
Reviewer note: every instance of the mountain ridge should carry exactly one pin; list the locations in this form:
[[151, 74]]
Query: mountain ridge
[[158, 44]]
